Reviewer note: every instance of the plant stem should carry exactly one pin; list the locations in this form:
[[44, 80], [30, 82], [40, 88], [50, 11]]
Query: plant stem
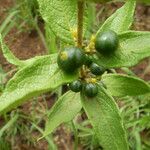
[[40, 34], [80, 23], [75, 136]]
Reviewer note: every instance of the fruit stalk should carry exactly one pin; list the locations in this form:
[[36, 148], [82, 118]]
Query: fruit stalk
[[80, 23]]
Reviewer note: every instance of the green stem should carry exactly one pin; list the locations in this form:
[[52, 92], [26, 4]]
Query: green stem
[[41, 35], [75, 136], [80, 22]]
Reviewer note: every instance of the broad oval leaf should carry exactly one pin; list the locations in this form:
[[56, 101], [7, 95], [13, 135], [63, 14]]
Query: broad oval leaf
[[121, 20], [106, 121], [61, 17], [134, 46], [123, 85], [64, 110], [41, 75]]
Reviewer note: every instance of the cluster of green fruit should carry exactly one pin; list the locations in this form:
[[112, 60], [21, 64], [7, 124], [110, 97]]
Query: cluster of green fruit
[[71, 59]]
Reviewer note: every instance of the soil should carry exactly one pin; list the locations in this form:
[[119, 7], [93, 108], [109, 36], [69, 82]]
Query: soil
[[28, 44]]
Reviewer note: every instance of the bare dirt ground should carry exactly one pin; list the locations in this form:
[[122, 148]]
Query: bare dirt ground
[[28, 44]]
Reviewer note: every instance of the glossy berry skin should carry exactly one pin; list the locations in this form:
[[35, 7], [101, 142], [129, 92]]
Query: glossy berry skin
[[70, 59], [75, 86], [96, 69], [107, 42], [90, 90]]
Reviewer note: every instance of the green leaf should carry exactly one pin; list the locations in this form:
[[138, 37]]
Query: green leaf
[[61, 17], [17, 62], [8, 125], [52, 57], [9, 55], [134, 46], [106, 121], [121, 20], [64, 110], [123, 85], [41, 75]]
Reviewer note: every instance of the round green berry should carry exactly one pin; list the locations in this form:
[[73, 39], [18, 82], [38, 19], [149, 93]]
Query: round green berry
[[107, 42], [70, 59], [90, 90], [96, 69], [76, 86]]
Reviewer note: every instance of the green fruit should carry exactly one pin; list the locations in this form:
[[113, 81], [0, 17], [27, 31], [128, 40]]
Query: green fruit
[[70, 59], [90, 90], [88, 60], [107, 42], [76, 86], [96, 69]]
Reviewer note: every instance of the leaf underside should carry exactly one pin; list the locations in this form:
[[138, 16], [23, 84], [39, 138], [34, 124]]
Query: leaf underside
[[121, 20], [64, 110], [61, 17], [106, 121], [40, 76], [123, 85]]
